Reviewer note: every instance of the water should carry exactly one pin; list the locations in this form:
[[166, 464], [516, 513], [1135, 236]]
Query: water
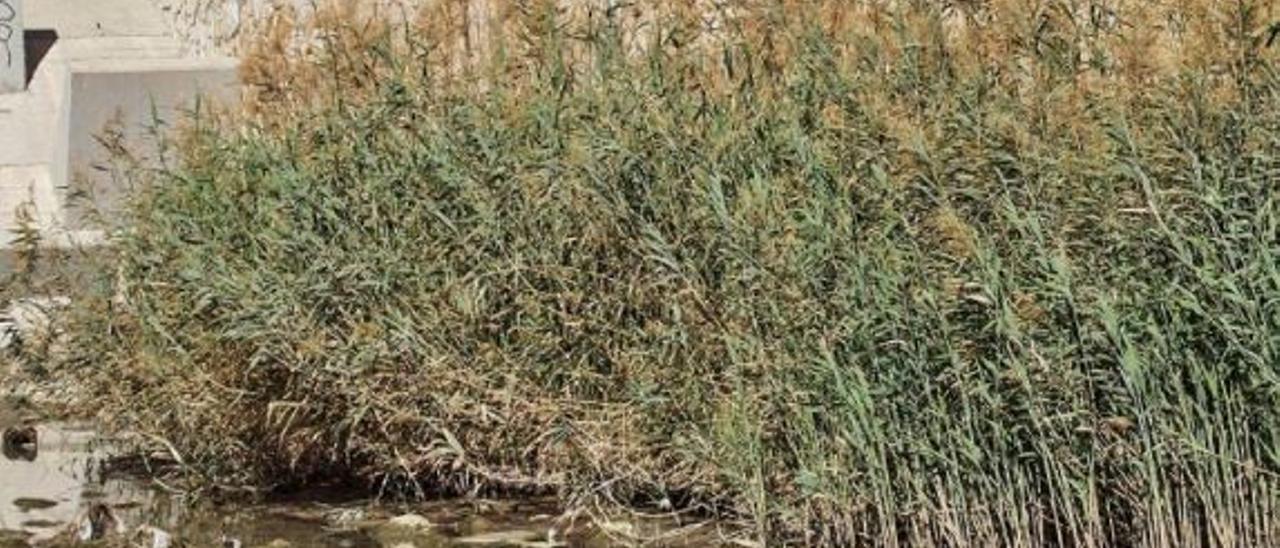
[[44, 489], [47, 493]]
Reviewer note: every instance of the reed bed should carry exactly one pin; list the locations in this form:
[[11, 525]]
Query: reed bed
[[846, 273]]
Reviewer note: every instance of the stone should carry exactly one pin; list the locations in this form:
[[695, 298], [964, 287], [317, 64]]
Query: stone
[[411, 530], [13, 63], [410, 521], [21, 436], [20, 443], [519, 537]]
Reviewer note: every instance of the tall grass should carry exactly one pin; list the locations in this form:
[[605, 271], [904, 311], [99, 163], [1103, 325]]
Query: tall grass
[[911, 273]]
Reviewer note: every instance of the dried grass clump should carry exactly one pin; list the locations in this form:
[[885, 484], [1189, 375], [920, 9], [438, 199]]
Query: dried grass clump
[[873, 273]]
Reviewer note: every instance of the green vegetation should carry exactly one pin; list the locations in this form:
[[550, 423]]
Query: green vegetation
[[994, 274]]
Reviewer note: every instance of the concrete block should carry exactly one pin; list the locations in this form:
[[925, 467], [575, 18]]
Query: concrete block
[[13, 65], [129, 103]]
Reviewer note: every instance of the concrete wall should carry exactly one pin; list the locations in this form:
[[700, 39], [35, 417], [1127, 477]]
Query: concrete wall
[[133, 101], [13, 66]]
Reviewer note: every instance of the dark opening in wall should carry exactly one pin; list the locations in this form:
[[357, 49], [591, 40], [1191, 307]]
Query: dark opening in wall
[[37, 44]]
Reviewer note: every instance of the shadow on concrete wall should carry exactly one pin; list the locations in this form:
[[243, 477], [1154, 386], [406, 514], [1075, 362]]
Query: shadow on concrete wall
[[37, 44]]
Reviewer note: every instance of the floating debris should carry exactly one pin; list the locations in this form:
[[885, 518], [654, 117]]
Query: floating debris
[[20, 443]]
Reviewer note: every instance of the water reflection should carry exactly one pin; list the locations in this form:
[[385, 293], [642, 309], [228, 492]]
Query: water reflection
[[53, 489], [42, 484]]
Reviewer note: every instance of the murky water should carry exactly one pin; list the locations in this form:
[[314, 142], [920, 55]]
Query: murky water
[[43, 487], [48, 491]]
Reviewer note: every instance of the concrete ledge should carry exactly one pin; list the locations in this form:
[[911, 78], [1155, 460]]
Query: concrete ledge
[[129, 48], [146, 66]]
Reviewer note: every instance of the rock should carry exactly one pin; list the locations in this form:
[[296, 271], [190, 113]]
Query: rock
[[410, 521], [503, 538], [20, 435], [665, 504], [408, 529], [20, 443]]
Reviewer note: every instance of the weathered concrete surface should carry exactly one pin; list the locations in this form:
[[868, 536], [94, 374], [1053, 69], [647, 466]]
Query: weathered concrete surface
[[35, 128], [216, 26], [110, 60], [48, 135], [132, 101], [97, 18], [26, 192], [13, 65]]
